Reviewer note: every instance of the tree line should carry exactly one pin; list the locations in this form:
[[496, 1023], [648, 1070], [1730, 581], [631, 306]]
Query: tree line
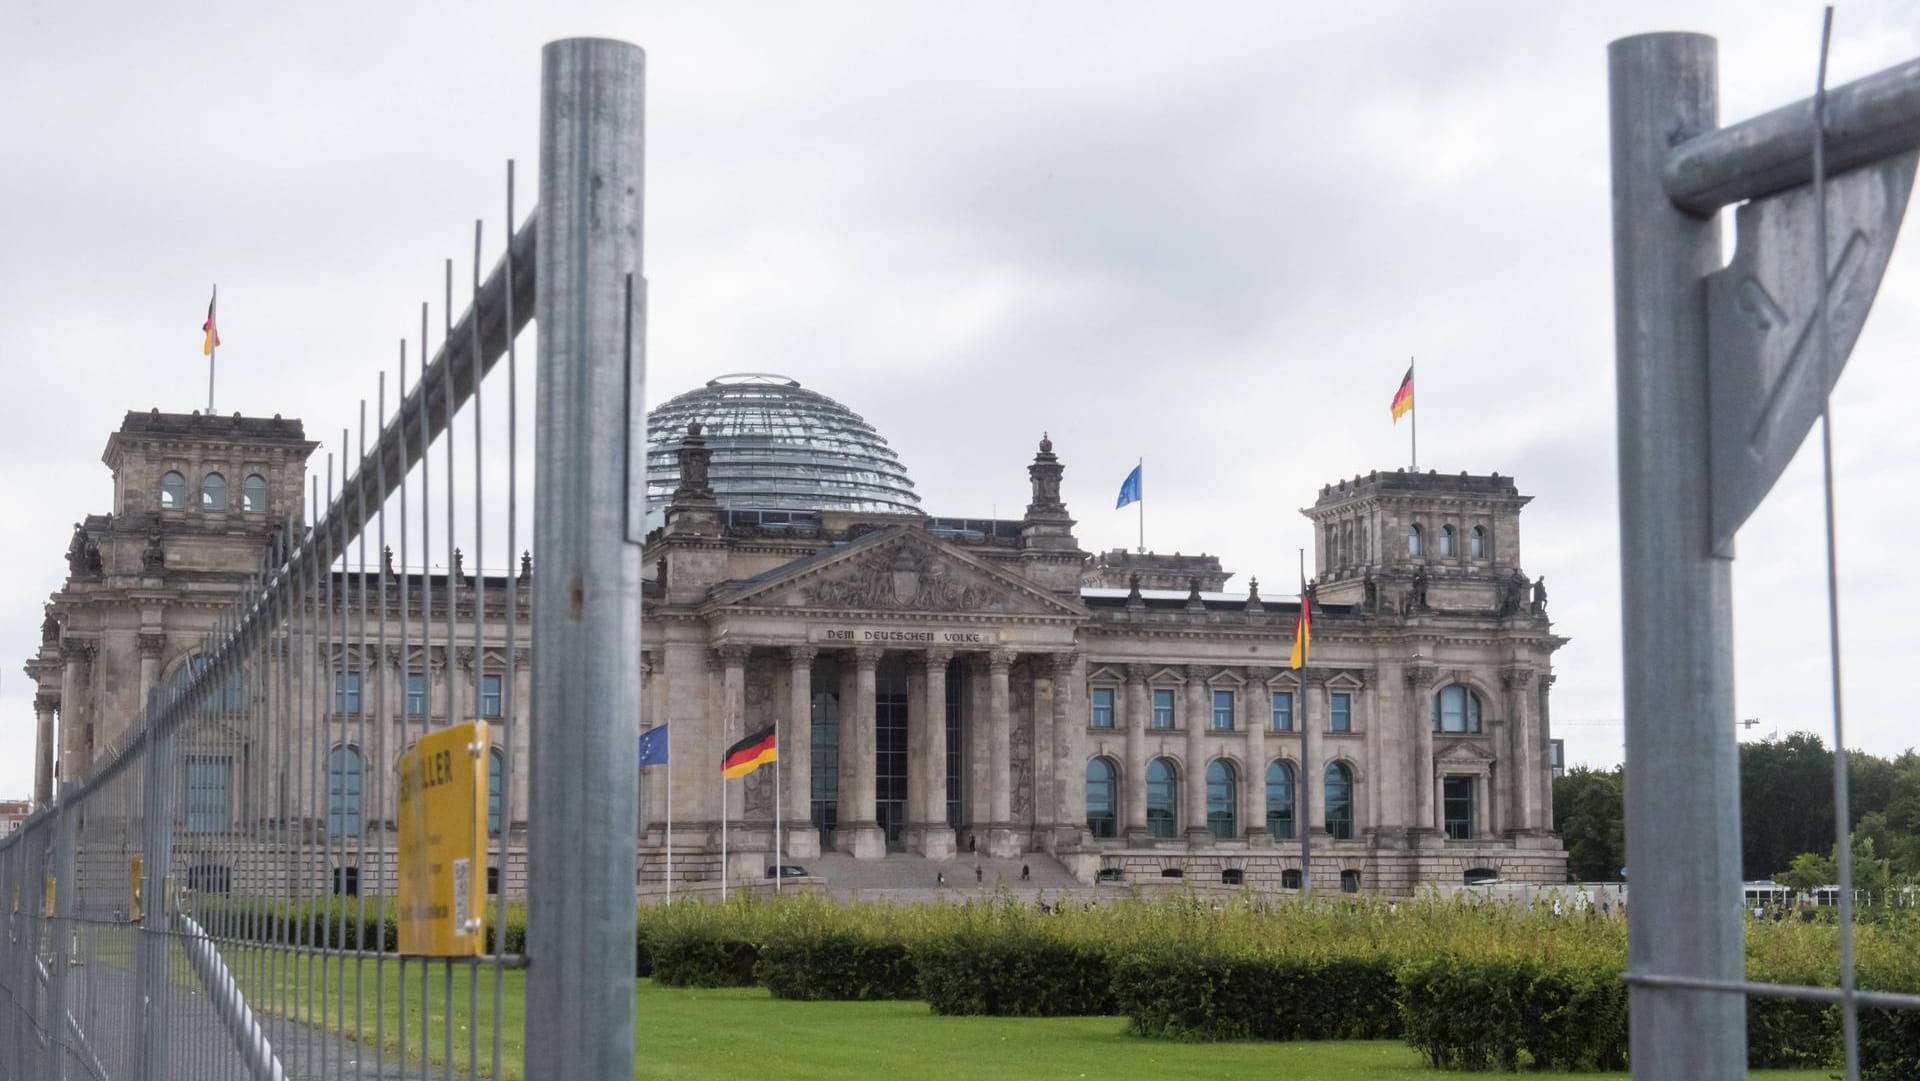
[[1786, 816]]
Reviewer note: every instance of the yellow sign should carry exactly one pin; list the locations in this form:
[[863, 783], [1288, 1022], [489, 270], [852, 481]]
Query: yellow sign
[[133, 888], [443, 843], [46, 908]]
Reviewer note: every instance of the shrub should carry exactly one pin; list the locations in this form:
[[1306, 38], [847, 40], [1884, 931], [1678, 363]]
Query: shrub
[[837, 965], [701, 957], [1515, 1012], [1015, 974], [1210, 996]]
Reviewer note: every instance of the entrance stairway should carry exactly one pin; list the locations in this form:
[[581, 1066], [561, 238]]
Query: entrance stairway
[[911, 878]]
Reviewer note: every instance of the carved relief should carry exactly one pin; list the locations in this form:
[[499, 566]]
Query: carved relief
[[904, 576], [152, 645]]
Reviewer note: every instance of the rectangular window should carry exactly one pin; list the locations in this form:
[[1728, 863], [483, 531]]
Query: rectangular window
[[1283, 711], [1340, 717], [416, 694], [1102, 707], [1457, 800], [1557, 756], [489, 696], [208, 782], [1223, 711], [346, 692], [1162, 708]]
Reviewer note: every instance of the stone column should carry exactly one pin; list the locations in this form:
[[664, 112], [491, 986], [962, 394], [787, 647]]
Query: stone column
[[152, 646], [859, 828], [1540, 765], [1420, 679], [44, 705], [733, 707], [1313, 756], [1133, 780], [1255, 715], [1194, 790], [1069, 759], [978, 746], [796, 757], [75, 746], [1001, 842], [930, 834], [1520, 752]]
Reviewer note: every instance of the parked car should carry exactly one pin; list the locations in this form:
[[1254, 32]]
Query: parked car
[[787, 870]]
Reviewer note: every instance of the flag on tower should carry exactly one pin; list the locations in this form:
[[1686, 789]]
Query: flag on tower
[[1403, 398], [750, 754], [212, 332], [1130, 488], [1303, 628]]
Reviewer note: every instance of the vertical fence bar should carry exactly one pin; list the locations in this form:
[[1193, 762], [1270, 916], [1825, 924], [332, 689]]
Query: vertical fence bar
[[586, 607], [1675, 592], [64, 889], [157, 841]]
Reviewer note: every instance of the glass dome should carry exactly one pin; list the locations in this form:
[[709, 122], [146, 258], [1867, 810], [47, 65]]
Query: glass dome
[[777, 446]]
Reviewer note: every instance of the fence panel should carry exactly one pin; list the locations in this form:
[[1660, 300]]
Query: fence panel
[[220, 896]]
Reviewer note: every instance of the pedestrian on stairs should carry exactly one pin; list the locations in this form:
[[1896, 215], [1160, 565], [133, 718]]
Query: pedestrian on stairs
[[940, 879], [979, 878], [1025, 873]]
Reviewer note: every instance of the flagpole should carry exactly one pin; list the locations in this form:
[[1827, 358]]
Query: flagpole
[[669, 810], [213, 344], [1306, 748], [723, 835], [1416, 415], [776, 806], [1142, 501]]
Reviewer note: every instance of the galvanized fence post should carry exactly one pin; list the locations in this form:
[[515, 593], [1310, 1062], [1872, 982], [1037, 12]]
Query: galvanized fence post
[[584, 777], [58, 942], [150, 959], [1682, 767]]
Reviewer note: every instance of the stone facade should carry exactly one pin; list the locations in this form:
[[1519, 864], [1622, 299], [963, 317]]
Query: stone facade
[[939, 686]]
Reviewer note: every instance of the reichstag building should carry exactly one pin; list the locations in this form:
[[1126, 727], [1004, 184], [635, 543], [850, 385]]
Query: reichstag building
[[940, 685]]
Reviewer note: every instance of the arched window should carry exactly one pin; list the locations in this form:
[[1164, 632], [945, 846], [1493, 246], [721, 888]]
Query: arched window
[[1222, 800], [1413, 539], [253, 494], [213, 492], [1102, 819], [1446, 542], [1339, 801], [1456, 709], [496, 765], [1477, 542], [173, 491], [343, 791], [1280, 801], [1163, 799]]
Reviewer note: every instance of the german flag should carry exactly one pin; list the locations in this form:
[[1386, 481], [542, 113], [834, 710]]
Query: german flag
[[1303, 628], [750, 754], [212, 332], [1403, 398]]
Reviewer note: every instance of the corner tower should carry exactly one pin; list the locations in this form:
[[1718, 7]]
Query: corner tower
[[1404, 542]]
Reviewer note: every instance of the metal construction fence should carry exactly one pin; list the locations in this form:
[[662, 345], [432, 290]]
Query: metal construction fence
[[215, 898]]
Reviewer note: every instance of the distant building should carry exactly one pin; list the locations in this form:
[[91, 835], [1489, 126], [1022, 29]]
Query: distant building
[[940, 684], [12, 813]]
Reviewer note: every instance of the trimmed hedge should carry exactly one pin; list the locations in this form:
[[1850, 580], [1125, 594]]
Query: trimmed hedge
[[1015, 975], [839, 966], [701, 956], [1205, 996], [1515, 1013]]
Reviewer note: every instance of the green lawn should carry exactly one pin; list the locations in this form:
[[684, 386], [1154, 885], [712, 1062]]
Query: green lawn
[[697, 1035]]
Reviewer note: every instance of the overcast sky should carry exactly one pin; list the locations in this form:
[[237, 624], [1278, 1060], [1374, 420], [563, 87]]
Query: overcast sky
[[1210, 239]]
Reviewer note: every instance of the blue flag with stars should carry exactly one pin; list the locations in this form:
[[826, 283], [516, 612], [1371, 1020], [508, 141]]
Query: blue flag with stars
[[653, 746], [1130, 488]]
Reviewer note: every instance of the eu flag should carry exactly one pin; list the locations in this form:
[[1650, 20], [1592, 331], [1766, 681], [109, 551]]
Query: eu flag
[[1130, 488], [653, 746]]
